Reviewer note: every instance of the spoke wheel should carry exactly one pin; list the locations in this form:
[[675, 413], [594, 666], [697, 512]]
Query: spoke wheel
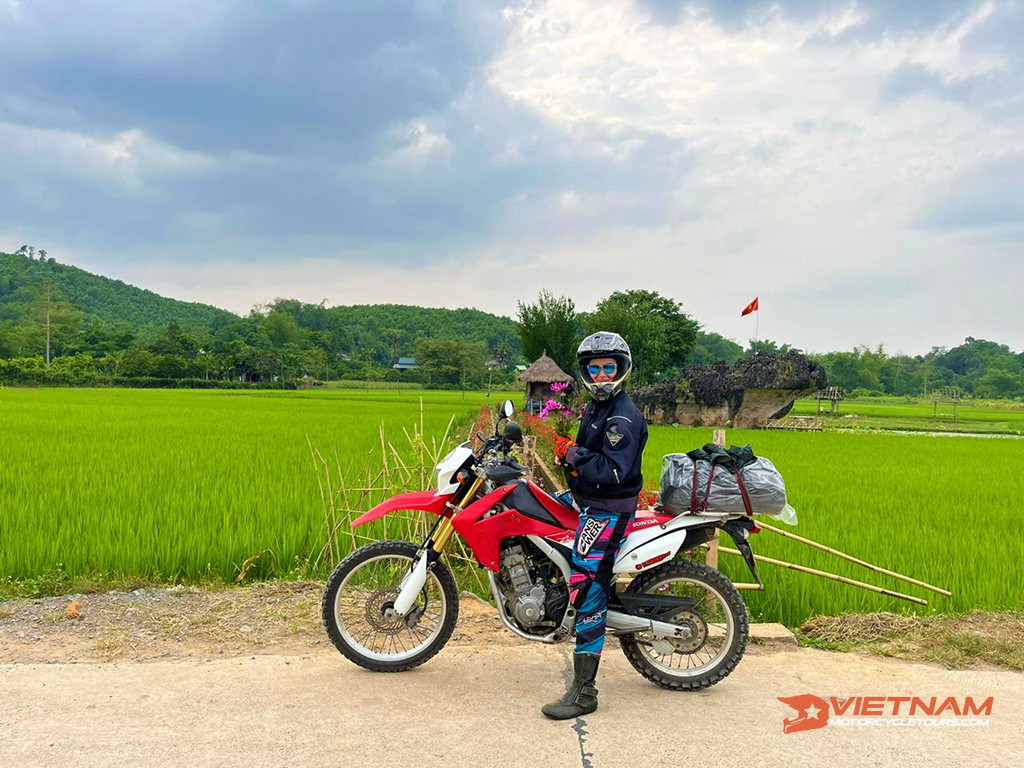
[[358, 608], [715, 633]]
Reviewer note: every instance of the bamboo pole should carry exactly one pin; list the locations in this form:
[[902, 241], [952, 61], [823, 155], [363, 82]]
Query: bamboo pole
[[852, 559], [824, 574]]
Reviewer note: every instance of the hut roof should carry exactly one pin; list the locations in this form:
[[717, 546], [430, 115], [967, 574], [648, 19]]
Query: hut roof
[[545, 370]]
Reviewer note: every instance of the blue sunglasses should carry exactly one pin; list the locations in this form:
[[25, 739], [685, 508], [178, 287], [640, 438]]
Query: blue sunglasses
[[608, 368]]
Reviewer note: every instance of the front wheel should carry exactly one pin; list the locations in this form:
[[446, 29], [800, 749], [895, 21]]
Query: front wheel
[[358, 608], [717, 628]]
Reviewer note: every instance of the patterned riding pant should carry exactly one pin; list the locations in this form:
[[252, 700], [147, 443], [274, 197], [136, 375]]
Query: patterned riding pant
[[598, 536]]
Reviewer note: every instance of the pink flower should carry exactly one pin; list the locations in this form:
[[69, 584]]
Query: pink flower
[[559, 387], [550, 405]]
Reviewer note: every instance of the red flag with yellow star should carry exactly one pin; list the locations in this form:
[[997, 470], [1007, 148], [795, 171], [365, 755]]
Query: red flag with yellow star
[[751, 307]]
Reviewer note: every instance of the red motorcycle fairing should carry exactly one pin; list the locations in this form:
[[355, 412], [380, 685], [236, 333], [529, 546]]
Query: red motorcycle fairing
[[428, 501], [537, 514], [643, 518]]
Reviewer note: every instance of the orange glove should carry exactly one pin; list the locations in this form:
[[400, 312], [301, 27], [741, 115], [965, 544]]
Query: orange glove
[[562, 446]]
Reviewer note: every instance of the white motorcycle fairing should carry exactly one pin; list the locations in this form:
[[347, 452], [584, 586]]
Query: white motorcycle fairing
[[646, 547], [446, 468]]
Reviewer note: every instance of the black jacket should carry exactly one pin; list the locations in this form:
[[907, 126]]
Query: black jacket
[[608, 451]]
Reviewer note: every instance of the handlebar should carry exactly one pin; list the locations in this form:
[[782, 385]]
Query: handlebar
[[516, 465], [493, 444]]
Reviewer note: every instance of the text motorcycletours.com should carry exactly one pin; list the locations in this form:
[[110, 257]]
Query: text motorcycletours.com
[[885, 711]]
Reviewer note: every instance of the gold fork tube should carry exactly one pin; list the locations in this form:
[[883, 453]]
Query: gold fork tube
[[445, 529]]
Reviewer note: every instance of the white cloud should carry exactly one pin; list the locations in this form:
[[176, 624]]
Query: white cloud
[[130, 157], [803, 175], [420, 145]]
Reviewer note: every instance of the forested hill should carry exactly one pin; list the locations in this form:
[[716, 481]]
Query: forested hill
[[395, 328], [50, 310], [112, 302]]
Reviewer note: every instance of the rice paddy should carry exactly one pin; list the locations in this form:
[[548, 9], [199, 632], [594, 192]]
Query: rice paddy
[[171, 485], [184, 484], [1005, 418], [942, 510]]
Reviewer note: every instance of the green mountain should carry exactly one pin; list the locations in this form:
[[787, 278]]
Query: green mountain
[[396, 327], [94, 314], [112, 302]]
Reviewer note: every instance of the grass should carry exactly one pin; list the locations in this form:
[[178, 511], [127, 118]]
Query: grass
[[131, 488], [957, 641], [1005, 418], [942, 510], [142, 486]]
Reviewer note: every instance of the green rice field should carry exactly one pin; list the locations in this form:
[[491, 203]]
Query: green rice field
[[869, 413], [170, 485], [943, 510], [185, 484]]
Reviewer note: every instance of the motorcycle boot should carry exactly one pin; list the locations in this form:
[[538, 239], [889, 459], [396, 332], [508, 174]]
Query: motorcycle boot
[[581, 698]]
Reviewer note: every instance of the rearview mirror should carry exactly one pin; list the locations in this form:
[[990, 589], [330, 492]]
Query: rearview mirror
[[506, 410]]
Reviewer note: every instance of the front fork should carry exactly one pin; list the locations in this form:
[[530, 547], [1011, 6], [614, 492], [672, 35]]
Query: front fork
[[414, 581]]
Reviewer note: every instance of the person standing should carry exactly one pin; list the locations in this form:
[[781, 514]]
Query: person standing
[[603, 464]]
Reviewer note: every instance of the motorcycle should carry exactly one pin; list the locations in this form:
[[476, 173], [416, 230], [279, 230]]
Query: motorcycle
[[392, 605]]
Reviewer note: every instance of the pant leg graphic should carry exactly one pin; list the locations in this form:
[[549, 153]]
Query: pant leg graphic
[[592, 560]]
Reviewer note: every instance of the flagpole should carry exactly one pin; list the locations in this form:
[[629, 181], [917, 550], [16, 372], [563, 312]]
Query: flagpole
[[757, 324]]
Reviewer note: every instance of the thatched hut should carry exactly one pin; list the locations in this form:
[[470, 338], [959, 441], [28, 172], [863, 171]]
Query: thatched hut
[[538, 379]]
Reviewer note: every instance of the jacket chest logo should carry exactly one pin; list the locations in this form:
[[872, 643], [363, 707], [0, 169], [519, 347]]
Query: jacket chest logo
[[613, 435]]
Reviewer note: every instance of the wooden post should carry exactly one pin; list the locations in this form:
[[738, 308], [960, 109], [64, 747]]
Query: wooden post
[[712, 558]]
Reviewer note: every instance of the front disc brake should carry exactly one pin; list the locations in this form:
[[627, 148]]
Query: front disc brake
[[380, 613]]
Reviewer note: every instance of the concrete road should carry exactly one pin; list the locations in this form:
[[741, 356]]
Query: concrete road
[[478, 706]]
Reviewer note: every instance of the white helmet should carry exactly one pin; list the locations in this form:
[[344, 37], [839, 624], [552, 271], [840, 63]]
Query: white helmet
[[604, 344]]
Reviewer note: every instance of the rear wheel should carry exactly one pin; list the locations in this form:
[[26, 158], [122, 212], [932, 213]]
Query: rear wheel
[[358, 608], [717, 628]]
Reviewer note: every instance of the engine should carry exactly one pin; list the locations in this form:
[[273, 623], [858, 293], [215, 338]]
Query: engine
[[533, 588]]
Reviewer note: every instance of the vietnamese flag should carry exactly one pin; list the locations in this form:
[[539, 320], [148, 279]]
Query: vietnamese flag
[[751, 307]]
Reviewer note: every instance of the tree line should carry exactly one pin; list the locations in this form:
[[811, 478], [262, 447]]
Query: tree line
[[664, 339], [60, 324]]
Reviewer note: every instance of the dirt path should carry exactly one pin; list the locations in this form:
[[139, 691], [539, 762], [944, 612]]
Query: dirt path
[[291, 700]]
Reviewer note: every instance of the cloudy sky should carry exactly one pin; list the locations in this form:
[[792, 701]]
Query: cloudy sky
[[859, 166]]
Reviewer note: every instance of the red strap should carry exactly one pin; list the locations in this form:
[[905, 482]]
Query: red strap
[[707, 492], [693, 491], [743, 492]]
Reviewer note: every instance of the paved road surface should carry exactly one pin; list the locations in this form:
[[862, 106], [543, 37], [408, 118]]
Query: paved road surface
[[475, 706]]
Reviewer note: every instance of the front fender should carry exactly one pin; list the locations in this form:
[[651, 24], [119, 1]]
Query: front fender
[[427, 501]]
